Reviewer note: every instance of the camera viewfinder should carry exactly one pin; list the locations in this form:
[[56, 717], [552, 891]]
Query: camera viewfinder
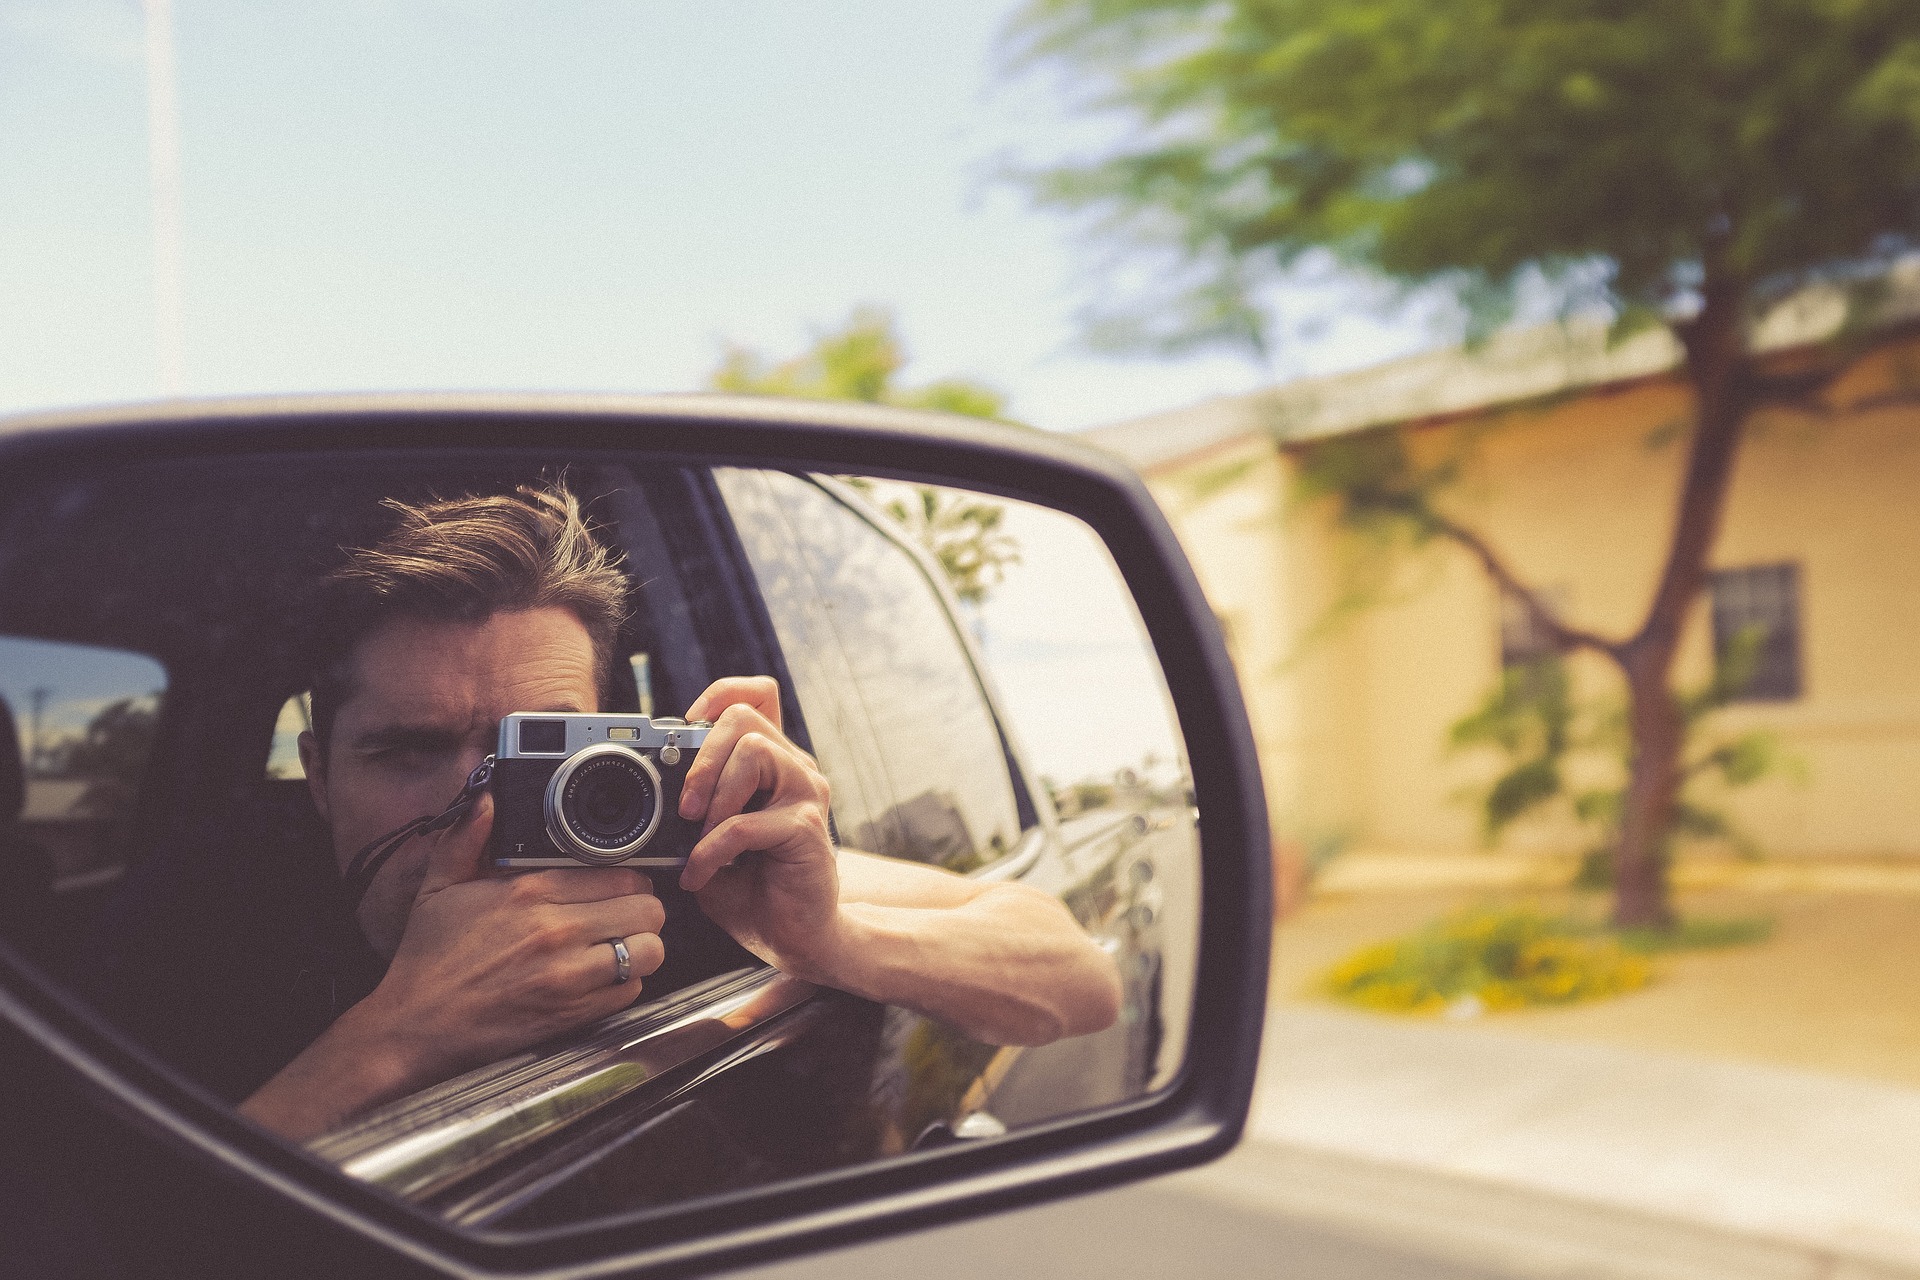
[[545, 736]]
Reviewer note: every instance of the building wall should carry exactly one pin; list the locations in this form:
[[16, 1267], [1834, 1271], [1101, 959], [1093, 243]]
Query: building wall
[[1352, 706], [1231, 501]]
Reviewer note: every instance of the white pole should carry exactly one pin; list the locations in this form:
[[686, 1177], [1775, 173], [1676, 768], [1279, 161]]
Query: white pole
[[163, 157]]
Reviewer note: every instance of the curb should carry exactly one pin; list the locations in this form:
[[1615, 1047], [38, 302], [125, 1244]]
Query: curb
[[1514, 1230]]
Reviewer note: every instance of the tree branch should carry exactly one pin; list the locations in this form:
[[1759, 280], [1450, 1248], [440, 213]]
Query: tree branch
[[1803, 389], [1900, 398], [1563, 636]]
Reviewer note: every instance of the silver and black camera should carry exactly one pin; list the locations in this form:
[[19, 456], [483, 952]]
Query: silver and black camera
[[603, 790]]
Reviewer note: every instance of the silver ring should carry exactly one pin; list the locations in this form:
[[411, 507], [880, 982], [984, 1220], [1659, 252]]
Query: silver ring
[[622, 962]]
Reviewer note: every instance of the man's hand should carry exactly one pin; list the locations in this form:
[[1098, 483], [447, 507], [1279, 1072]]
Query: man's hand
[[764, 868], [1005, 963], [491, 964], [487, 965]]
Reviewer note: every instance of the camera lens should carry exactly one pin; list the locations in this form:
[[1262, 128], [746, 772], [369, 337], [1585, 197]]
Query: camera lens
[[608, 800], [603, 804]]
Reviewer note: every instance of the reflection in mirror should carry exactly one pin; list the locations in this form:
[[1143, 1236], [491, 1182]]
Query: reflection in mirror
[[76, 732], [1083, 696], [244, 819]]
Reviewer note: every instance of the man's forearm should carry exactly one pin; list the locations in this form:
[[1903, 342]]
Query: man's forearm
[[349, 1069], [1009, 967]]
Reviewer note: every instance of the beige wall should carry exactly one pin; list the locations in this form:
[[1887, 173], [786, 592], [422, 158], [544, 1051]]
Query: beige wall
[[1352, 718], [1231, 502]]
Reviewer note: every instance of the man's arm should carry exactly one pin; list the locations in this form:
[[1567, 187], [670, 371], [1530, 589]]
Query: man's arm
[[1005, 963]]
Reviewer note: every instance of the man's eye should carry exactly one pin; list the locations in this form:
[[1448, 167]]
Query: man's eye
[[407, 758]]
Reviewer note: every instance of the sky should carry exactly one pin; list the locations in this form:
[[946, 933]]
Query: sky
[[1071, 659], [502, 194]]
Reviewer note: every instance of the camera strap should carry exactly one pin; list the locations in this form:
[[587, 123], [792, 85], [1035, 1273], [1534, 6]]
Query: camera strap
[[366, 864]]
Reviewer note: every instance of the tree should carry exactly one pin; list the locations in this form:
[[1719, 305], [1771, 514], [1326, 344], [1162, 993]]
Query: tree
[[859, 361], [1677, 162], [1533, 718], [112, 755]]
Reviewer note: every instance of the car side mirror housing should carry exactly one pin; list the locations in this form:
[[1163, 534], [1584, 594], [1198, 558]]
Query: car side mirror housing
[[81, 1079]]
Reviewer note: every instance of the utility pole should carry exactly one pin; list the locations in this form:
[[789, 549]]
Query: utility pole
[[163, 160], [36, 749]]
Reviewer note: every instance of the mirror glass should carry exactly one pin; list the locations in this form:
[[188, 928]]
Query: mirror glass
[[944, 878]]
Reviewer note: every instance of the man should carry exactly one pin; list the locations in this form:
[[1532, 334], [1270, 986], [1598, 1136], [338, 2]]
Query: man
[[473, 608]]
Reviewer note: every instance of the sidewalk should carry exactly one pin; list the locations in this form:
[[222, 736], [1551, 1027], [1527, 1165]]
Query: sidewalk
[[1586, 1154]]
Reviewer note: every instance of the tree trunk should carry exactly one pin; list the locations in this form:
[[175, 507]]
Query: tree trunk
[[1640, 863], [1718, 368]]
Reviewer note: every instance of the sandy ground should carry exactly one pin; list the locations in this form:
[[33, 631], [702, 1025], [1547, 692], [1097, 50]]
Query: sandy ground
[[1836, 988]]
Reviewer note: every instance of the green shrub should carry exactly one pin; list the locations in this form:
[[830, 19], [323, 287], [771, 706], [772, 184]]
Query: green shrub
[[1698, 933], [1489, 959]]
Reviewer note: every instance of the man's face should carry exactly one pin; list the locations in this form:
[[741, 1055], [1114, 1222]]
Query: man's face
[[425, 708]]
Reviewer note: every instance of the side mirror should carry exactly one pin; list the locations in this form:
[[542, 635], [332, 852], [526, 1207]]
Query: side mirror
[[152, 643]]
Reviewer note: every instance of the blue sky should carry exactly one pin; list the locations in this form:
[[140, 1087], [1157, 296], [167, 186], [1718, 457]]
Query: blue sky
[[394, 194]]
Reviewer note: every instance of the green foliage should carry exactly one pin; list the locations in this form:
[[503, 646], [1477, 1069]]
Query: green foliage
[[859, 361], [955, 395], [112, 755], [1488, 959], [1532, 719], [962, 532], [1494, 958], [1529, 716], [1197, 487], [1617, 149], [1389, 503], [1381, 500], [117, 741], [1698, 933], [1375, 485]]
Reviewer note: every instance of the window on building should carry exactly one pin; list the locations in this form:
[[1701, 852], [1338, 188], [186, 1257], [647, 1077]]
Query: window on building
[[1756, 621]]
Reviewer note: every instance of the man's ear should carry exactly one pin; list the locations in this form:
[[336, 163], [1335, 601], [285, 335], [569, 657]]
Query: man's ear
[[314, 761]]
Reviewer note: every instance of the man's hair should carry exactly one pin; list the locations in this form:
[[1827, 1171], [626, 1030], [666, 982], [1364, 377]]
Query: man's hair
[[465, 560]]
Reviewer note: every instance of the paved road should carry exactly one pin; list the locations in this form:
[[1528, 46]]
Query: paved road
[[1152, 1232], [1820, 1170], [1381, 1148]]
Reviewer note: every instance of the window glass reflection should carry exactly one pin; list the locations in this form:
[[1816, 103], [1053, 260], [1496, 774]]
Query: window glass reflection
[[945, 772], [82, 731]]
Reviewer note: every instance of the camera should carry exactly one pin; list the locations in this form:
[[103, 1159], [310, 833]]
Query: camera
[[603, 790]]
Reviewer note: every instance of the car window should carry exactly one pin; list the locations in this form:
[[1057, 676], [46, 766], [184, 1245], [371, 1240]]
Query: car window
[[945, 795], [84, 721], [283, 755]]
